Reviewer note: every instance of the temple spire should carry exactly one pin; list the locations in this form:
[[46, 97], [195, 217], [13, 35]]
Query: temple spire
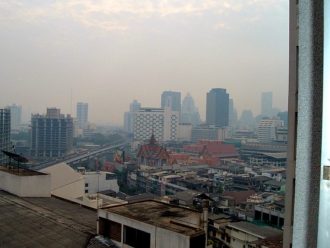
[[152, 139]]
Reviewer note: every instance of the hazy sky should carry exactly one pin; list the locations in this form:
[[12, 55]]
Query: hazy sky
[[113, 51]]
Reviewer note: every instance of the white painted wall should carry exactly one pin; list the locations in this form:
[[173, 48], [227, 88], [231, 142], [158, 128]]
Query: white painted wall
[[239, 238], [171, 124], [65, 182], [25, 186], [97, 182]]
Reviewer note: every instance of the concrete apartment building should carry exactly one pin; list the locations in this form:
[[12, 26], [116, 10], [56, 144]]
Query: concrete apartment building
[[163, 123], [245, 234], [4, 134], [52, 134], [267, 130], [154, 224]]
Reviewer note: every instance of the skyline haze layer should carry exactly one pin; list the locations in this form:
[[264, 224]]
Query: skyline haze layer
[[108, 53]]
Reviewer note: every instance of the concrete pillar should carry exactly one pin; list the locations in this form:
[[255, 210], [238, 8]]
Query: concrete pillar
[[305, 123]]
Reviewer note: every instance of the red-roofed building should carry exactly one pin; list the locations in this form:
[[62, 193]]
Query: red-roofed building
[[235, 198], [179, 158], [152, 154], [212, 149]]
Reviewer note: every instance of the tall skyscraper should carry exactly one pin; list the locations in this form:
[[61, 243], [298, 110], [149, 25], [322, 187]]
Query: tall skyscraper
[[232, 113], [217, 107], [134, 106], [82, 115], [163, 123], [4, 134], [189, 112], [267, 104], [129, 116], [15, 116], [247, 121], [52, 134], [172, 100]]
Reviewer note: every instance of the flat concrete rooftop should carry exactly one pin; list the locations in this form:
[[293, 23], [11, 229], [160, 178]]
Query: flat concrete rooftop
[[170, 217], [44, 222], [263, 231]]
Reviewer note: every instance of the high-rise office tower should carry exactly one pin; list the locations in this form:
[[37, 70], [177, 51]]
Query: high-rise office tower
[[129, 116], [247, 121], [232, 113], [189, 112], [134, 106], [15, 116], [217, 107], [163, 123], [4, 134], [172, 100], [82, 115], [267, 104], [52, 134]]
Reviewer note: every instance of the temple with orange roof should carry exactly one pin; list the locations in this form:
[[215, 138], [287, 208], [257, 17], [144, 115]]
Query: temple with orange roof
[[152, 154]]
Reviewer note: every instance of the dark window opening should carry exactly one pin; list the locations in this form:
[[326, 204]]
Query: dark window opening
[[198, 241], [110, 177], [136, 238], [110, 229]]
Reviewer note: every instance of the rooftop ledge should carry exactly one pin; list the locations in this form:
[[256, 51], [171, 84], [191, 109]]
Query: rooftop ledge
[[24, 182], [12, 169]]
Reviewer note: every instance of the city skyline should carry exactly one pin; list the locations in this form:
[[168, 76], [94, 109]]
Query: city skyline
[[57, 54]]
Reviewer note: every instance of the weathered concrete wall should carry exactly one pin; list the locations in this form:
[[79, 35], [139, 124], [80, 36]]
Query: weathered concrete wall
[[25, 186]]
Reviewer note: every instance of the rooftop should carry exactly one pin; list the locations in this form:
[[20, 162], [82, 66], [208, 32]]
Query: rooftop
[[170, 217], [272, 242], [259, 231], [44, 222], [276, 155]]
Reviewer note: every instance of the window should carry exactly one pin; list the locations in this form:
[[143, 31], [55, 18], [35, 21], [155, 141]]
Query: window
[[110, 229], [136, 238], [109, 176], [86, 185], [196, 242]]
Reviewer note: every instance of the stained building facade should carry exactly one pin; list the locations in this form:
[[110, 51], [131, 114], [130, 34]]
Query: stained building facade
[[52, 134]]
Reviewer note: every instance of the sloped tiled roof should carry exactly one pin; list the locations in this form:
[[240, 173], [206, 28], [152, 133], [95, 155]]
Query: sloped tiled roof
[[239, 196], [212, 148]]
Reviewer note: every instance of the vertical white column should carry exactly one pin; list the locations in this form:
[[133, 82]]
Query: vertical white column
[[324, 209]]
